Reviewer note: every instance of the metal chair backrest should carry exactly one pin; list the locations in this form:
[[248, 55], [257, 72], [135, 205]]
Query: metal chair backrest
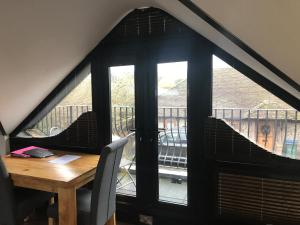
[[103, 204]]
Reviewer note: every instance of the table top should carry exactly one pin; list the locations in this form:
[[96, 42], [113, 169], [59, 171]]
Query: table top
[[41, 170]]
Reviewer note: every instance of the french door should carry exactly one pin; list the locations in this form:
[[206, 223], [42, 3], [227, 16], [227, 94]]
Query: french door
[[150, 108], [151, 91]]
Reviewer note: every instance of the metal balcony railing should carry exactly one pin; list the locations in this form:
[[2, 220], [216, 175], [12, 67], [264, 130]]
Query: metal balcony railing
[[60, 118], [277, 130]]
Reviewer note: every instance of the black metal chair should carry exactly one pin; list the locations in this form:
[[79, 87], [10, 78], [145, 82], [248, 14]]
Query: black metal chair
[[97, 206], [17, 203], [125, 177]]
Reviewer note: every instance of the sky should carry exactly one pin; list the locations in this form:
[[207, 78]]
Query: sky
[[219, 63]]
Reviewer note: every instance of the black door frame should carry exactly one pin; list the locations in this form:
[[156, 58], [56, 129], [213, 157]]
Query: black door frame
[[145, 55]]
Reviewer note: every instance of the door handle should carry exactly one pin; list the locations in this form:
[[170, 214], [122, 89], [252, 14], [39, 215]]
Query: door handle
[[161, 130]]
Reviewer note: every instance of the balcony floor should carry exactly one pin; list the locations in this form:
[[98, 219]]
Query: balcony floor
[[169, 191]]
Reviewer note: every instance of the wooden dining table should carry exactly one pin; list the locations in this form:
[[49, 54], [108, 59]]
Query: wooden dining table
[[63, 179]]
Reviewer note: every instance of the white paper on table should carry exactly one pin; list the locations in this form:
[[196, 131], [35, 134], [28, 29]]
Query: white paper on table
[[64, 159]]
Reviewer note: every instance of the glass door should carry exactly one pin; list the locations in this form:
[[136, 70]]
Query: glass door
[[172, 131], [159, 168], [123, 124]]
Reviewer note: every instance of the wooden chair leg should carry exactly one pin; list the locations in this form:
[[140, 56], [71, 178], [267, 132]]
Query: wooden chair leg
[[112, 220]]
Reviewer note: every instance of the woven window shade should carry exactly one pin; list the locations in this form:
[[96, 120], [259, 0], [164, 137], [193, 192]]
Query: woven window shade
[[148, 22], [82, 136], [270, 201], [254, 185]]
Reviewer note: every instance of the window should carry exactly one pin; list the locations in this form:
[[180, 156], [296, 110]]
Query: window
[[255, 112], [76, 101]]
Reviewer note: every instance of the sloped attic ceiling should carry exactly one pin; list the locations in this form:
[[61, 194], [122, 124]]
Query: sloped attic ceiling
[[42, 41], [270, 27]]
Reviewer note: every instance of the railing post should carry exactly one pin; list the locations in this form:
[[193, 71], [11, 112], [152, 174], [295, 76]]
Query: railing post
[[126, 118], [295, 131], [285, 131], [275, 132], [266, 122], [132, 116], [71, 114], [240, 124], [249, 117]]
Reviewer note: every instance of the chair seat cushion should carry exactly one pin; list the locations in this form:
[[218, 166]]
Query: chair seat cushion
[[27, 199], [83, 207]]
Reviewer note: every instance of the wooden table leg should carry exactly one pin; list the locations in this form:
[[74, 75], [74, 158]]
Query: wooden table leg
[[112, 220], [67, 210], [51, 221]]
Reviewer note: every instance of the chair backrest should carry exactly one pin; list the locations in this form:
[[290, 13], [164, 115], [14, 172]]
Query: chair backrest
[[7, 212], [103, 204]]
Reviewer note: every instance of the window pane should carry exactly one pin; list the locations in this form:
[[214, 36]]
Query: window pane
[[123, 122], [172, 138], [76, 102], [255, 112]]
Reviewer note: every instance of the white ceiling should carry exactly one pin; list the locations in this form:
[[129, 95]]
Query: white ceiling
[[42, 41], [270, 27]]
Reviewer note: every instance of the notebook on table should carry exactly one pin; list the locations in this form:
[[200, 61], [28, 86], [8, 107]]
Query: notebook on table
[[32, 151], [38, 153]]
